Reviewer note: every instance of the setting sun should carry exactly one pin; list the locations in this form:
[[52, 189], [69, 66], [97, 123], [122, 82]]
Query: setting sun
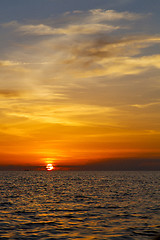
[[49, 167]]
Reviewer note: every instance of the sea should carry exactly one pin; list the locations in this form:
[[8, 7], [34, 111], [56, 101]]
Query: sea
[[79, 205]]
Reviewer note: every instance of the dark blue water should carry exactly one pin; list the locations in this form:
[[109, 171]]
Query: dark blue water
[[79, 205]]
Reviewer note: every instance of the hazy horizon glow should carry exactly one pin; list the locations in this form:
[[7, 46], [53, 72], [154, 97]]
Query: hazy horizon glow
[[80, 85]]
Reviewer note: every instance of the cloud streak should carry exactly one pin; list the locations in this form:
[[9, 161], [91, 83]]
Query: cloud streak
[[91, 22]]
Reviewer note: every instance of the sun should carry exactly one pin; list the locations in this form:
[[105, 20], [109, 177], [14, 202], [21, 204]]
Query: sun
[[49, 167]]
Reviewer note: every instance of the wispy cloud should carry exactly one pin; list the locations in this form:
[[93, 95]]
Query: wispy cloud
[[146, 105], [72, 29], [65, 115], [10, 93], [91, 22], [112, 15], [7, 63]]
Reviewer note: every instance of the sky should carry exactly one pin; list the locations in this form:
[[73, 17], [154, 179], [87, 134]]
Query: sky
[[80, 84]]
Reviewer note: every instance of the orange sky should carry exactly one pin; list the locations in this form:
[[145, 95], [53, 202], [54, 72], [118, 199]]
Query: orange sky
[[79, 88]]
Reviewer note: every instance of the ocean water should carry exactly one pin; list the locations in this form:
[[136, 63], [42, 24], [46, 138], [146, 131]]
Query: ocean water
[[79, 205]]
